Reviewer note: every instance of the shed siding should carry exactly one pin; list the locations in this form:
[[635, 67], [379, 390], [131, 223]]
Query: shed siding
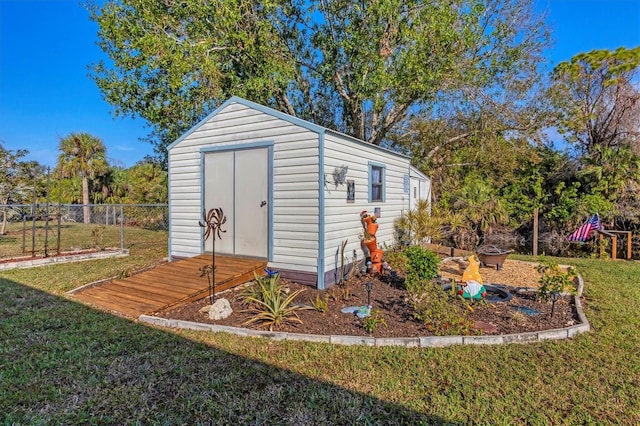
[[422, 184], [295, 183], [342, 219]]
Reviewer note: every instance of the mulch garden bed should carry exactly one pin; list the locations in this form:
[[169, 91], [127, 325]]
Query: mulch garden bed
[[389, 297]]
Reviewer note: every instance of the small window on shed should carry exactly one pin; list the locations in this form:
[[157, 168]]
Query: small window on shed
[[376, 182]]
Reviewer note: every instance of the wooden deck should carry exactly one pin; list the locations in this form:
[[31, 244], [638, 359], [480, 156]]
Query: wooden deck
[[169, 285]]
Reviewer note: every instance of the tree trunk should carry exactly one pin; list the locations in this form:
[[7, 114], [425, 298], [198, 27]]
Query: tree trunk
[[3, 227], [86, 211]]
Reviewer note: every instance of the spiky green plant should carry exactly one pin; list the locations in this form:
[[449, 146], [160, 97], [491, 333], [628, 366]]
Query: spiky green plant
[[256, 291], [320, 304], [270, 302], [276, 309], [418, 224]]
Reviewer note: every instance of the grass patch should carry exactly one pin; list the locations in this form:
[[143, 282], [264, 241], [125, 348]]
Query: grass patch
[[146, 248], [61, 362], [73, 236]]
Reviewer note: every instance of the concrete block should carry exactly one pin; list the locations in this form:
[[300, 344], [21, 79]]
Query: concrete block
[[231, 330], [162, 322], [275, 335], [409, 342], [353, 340], [440, 341], [189, 325], [482, 340], [316, 338], [520, 337], [577, 329], [556, 334]]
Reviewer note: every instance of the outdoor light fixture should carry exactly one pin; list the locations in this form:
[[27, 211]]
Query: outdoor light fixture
[[554, 298], [369, 286]]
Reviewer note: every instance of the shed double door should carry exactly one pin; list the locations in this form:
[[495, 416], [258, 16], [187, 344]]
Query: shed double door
[[238, 182]]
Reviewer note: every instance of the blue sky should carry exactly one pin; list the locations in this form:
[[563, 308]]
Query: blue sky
[[46, 46]]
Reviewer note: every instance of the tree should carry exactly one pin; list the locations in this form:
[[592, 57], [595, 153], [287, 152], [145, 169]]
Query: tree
[[598, 100], [480, 207], [598, 103], [84, 155], [143, 183], [13, 175], [174, 62], [358, 67]]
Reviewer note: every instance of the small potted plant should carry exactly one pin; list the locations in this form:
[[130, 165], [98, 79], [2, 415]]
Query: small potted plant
[[372, 227], [366, 218]]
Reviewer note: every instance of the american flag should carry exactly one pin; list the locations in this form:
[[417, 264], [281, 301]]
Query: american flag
[[582, 233]]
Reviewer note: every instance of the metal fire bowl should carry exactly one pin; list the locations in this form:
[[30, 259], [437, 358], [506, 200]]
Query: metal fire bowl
[[492, 255]]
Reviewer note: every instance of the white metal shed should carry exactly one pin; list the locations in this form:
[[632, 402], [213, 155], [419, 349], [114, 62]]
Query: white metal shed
[[292, 191], [420, 187]]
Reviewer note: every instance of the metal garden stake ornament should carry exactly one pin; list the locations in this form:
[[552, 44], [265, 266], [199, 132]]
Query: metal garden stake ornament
[[212, 223], [554, 298]]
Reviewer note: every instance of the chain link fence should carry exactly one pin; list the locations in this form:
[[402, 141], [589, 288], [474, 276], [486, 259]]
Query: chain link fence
[[28, 230]]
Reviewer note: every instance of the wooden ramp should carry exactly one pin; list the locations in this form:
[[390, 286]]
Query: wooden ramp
[[169, 285]]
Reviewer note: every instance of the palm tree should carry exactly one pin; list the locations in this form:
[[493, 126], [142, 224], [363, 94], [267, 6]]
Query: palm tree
[[481, 208], [85, 155]]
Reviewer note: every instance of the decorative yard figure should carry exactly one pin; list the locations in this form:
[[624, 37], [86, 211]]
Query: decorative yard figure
[[212, 222], [473, 290], [370, 229], [472, 287], [472, 272]]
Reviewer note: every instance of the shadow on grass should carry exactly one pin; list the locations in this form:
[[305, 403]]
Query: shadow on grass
[[62, 362]]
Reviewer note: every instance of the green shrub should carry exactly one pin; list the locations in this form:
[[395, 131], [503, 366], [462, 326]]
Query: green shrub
[[553, 279], [373, 321], [396, 258], [422, 267], [440, 311]]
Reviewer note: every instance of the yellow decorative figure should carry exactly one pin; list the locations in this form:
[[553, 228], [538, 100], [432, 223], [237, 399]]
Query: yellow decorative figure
[[472, 273]]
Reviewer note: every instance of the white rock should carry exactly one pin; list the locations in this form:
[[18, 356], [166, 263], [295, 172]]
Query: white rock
[[221, 309]]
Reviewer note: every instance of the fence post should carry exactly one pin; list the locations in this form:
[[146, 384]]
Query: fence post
[[46, 219], [121, 228], [59, 215], [33, 217], [24, 233], [535, 231]]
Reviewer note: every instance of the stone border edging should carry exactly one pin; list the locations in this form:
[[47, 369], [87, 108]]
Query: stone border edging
[[422, 342], [45, 261]]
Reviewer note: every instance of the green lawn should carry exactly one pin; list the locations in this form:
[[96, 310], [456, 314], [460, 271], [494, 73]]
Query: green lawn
[[73, 236], [64, 363]]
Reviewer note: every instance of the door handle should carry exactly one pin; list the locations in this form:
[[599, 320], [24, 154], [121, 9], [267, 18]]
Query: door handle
[[263, 203]]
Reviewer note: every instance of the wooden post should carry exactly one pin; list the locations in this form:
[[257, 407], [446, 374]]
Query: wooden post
[[614, 247], [535, 231], [601, 245], [629, 238]]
